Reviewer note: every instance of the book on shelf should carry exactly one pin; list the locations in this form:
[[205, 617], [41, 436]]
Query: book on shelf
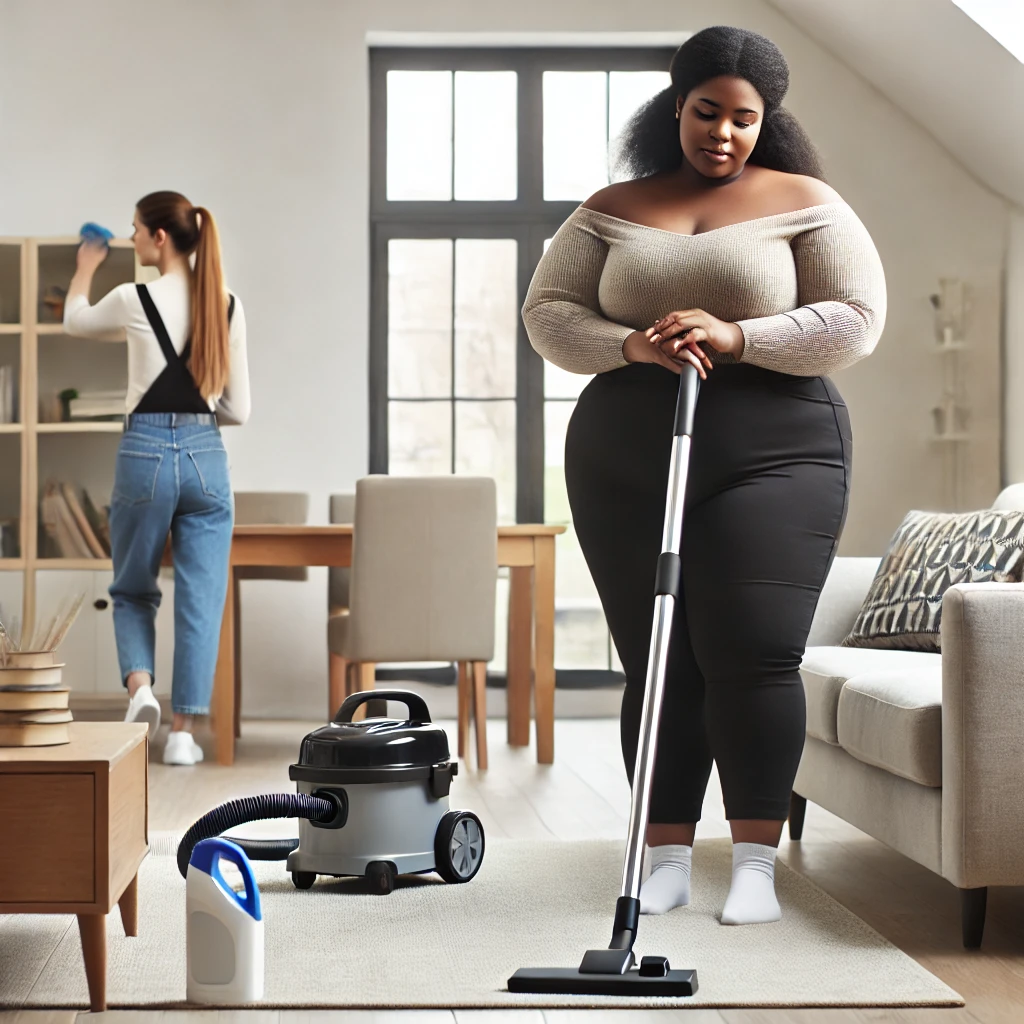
[[69, 526], [34, 734], [98, 405], [8, 401], [33, 701], [44, 716], [91, 540], [9, 538]]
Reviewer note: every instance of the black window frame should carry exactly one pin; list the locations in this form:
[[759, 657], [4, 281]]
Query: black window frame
[[529, 219]]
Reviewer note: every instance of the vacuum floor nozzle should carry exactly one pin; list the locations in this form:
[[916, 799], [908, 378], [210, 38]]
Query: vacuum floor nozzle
[[635, 982]]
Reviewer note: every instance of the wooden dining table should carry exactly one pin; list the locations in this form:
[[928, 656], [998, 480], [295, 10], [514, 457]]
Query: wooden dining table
[[527, 550]]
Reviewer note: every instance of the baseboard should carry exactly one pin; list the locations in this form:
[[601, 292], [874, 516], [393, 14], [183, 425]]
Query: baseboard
[[601, 702]]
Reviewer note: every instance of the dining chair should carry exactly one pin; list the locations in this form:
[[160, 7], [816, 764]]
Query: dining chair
[[423, 588]]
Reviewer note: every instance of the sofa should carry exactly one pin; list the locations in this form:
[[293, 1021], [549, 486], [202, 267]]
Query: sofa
[[923, 751]]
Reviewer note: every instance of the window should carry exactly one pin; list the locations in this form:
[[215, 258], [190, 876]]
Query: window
[[1001, 19], [477, 156]]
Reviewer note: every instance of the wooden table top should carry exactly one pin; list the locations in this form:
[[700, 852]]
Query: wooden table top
[[343, 529], [90, 742]]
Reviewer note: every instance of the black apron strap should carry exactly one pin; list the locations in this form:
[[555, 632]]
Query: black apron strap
[[157, 323], [231, 309]]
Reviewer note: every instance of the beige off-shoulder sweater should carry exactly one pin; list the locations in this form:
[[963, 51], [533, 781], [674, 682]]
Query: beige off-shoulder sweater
[[806, 288]]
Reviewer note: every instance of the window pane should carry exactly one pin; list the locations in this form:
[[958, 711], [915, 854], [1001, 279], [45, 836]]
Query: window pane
[[575, 133], [556, 501], [559, 383], [581, 634], [420, 317], [485, 135], [485, 445], [486, 317], [627, 91], [419, 135], [419, 438]]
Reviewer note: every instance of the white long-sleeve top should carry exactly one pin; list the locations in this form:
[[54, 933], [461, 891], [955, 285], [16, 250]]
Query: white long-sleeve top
[[119, 316]]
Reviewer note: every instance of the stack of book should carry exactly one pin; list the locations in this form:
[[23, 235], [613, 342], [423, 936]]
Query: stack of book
[[33, 700], [98, 405], [8, 405], [74, 528]]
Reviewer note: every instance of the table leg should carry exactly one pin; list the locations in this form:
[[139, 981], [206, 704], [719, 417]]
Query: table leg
[[129, 905], [544, 646], [224, 683], [93, 930], [520, 654]]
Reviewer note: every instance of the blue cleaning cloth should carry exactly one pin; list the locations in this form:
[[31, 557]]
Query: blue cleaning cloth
[[96, 234]]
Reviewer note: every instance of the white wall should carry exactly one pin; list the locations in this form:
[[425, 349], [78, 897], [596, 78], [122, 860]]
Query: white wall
[[258, 110], [1013, 389]]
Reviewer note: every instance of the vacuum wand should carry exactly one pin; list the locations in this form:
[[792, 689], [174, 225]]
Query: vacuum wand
[[610, 971]]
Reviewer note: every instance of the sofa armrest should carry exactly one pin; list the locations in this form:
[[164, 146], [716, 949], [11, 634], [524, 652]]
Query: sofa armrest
[[845, 588], [983, 734]]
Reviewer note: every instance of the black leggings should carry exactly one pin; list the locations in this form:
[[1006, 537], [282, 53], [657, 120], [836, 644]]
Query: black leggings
[[765, 504]]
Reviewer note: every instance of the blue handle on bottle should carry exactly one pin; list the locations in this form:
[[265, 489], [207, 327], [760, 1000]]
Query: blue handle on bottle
[[206, 857]]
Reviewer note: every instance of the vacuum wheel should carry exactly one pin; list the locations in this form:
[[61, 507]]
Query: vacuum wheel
[[303, 879], [380, 877], [458, 846]]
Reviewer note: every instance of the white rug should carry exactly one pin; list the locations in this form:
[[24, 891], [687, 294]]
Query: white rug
[[534, 904]]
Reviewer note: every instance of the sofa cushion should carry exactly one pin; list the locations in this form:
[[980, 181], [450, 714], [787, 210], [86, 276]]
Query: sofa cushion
[[929, 553], [825, 671], [893, 720]]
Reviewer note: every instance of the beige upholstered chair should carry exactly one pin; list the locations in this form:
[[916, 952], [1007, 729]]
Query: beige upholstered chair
[[260, 508], [339, 581], [424, 577]]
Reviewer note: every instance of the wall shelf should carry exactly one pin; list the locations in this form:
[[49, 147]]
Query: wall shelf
[[11, 328], [82, 427], [74, 564], [11, 428], [12, 564]]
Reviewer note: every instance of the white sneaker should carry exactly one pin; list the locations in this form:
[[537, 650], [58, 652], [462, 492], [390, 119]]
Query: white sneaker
[[144, 707], [181, 748]]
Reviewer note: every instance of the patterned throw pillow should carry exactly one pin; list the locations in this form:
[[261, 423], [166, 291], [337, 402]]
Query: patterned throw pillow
[[928, 554]]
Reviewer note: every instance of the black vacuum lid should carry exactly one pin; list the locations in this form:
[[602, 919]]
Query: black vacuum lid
[[415, 742]]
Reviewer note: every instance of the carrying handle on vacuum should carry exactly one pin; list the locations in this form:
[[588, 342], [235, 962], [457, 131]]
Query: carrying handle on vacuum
[[417, 706], [686, 403]]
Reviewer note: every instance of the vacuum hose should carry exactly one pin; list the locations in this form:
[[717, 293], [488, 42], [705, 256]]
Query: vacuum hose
[[256, 808]]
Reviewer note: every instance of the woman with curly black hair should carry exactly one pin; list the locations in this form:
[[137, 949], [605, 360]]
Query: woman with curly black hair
[[724, 249]]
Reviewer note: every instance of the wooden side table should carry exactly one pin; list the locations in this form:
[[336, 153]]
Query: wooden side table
[[75, 824]]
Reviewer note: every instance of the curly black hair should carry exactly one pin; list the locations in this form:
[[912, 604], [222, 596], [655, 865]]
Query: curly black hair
[[649, 142]]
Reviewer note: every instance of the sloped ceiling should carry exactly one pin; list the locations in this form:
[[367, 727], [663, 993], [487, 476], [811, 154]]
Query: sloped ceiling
[[939, 67]]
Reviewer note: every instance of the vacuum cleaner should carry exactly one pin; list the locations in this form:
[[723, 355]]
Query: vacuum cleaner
[[372, 800], [613, 971]]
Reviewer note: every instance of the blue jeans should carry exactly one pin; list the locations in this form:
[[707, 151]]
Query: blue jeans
[[171, 477]]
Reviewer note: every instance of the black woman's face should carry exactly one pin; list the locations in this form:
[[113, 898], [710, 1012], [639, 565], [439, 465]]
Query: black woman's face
[[719, 123]]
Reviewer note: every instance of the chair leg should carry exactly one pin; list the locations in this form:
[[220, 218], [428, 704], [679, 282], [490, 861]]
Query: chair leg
[[972, 916], [797, 810], [480, 712], [337, 683], [465, 699], [236, 596]]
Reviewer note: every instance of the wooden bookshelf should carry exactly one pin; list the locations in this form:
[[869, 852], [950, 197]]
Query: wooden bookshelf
[[49, 361]]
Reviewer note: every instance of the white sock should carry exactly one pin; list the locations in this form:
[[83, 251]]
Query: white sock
[[752, 896], [669, 883]]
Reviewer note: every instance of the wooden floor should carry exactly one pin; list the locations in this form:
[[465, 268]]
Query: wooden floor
[[585, 795]]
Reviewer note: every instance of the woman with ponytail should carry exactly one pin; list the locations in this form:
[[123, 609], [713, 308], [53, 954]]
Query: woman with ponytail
[[723, 249], [187, 374]]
